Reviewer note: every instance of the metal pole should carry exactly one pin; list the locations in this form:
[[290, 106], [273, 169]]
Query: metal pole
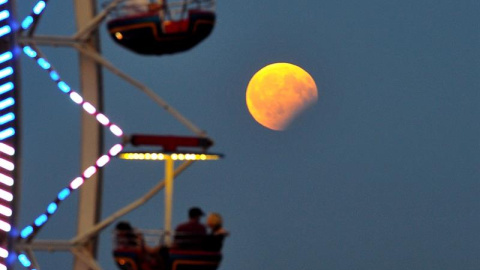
[[169, 168]]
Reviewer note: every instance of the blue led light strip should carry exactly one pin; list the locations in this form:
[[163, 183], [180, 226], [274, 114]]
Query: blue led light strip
[[29, 231], [37, 10]]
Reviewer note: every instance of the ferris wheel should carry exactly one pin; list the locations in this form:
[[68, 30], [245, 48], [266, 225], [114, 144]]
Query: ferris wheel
[[152, 27]]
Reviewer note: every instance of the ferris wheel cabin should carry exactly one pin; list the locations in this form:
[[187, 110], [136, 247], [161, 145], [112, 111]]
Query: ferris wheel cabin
[[158, 27]]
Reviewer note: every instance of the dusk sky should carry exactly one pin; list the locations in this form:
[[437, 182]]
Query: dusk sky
[[381, 173]]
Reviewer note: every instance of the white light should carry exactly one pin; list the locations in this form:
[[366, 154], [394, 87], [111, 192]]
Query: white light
[[89, 172], [4, 226], [76, 97], [103, 160], [7, 165], [5, 195], [116, 130], [3, 267], [3, 253], [6, 180], [7, 149], [115, 149], [5, 211], [103, 119], [76, 182], [89, 108]]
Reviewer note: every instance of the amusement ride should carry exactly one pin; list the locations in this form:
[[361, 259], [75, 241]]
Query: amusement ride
[[147, 27]]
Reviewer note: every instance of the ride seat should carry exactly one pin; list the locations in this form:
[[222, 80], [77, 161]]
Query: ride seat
[[194, 260]]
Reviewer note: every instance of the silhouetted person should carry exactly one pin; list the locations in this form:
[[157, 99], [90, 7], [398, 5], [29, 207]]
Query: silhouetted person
[[214, 240], [190, 235]]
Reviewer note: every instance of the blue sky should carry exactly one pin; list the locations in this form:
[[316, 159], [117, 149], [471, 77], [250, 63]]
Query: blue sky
[[382, 173]]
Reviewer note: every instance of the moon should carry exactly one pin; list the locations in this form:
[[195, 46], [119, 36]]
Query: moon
[[278, 93]]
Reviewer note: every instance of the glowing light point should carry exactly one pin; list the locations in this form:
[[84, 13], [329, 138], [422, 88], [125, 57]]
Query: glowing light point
[[53, 74], [52, 207], [27, 22], [24, 260], [115, 149], [116, 130], [63, 86], [6, 180], [5, 195], [7, 118], [5, 30], [103, 119], [29, 51], [89, 108], [5, 211], [4, 226], [76, 97], [103, 160], [38, 8], [3, 267], [5, 56], [43, 63], [7, 149], [7, 165], [3, 253], [7, 133], [76, 182], [6, 87], [6, 103], [26, 232], [4, 15], [89, 172], [6, 72], [41, 220], [62, 195]]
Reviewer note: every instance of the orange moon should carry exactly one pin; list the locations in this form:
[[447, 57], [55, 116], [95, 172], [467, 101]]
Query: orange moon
[[278, 93]]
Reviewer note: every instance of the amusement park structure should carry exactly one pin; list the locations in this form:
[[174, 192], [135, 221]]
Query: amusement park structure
[[150, 27]]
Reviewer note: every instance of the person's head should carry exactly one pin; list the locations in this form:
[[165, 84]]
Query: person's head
[[214, 220], [124, 226], [195, 213]]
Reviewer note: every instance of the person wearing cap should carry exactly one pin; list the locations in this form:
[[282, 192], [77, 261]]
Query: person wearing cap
[[190, 234]]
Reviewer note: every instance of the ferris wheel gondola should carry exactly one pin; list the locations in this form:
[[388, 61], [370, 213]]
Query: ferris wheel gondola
[[159, 27]]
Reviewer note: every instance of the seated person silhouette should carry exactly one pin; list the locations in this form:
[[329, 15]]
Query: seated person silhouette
[[190, 235], [214, 240]]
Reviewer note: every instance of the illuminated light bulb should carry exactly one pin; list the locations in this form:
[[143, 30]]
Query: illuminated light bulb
[[102, 119], [62, 195], [41, 220], [119, 35], [5, 30], [63, 86], [26, 232], [7, 165], [76, 183], [5, 195], [7, 149], [43, 63], [115, 149], [103, 160], [53, 74], [161, 156], [173, 156], [154, 156], [6, 103], [76, 97], [6, 72], [136, 156], [9, 132], [148, 156], [38, 8], [3, 267], [203, 157], [4, 226], [181, 156], [29, 52], [6, 180], [22, 258], [3, 2], [5, 56], [89, 172], [6, 87], [4, 15], [116, 130], [7, 118], [141, 156], [3, 253], [5, 211], [89, 108], [27, 22], [52, 207]]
